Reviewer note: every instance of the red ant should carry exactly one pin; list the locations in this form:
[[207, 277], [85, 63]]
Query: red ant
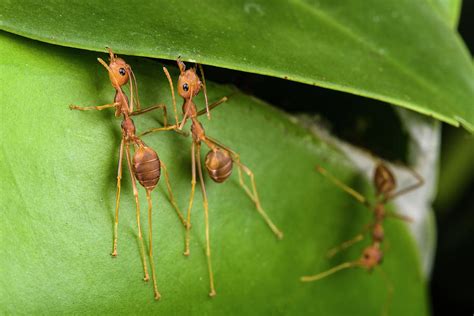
[[144, 166], [219, 160], [372, 255]]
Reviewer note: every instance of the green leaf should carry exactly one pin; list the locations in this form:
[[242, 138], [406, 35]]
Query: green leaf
[[57, 197], [450, 10], [424, 156], [400, 52]]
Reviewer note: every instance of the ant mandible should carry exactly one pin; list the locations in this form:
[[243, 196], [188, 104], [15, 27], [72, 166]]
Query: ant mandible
[[385, 184], [219, 160], [144, 166]]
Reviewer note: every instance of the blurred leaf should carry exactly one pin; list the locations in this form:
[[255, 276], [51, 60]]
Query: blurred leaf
[[400, 52], [457, 169], [458, 152], [450, 10], [424, 153], [57, 194]]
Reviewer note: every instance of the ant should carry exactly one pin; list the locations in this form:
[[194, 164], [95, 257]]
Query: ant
[[372, 255], [219, 160], [144, 166]]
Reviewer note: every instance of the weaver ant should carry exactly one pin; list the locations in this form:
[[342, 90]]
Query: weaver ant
[[144, 166], [219, 160], [372, 255]]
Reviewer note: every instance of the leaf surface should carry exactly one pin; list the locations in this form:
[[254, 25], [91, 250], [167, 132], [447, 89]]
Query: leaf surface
[[401, 52], [57, 196]]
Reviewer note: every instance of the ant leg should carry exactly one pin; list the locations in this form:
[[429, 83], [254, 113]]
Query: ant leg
[[356, 195], [191, 199], [161, 129], [254, 197], [419, 183], [253, 194], [389, 285], [319, 276], [150, 236], [359, 237], [333, 251], [135, 193], [117, 200], [399, 216], [165, 70], [172, 200], [206, 216], [152, 108], [213, 105], [89, 108]]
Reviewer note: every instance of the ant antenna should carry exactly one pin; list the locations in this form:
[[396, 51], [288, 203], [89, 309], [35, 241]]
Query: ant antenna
[[186, 114], [172, 93], [419, 182], [181, 65], [133, 91], [100, 60], [205, 91], [111, 54]]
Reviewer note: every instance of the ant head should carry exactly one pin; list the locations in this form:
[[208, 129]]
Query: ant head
[[119, 70], [371, 257], [384, 180], [189, 83]]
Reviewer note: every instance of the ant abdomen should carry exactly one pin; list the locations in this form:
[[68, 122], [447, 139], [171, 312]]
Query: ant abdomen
[[219, 164], [147, 167], [371, 257]]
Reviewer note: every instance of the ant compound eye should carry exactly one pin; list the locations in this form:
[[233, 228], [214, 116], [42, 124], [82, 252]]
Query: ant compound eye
[[185, 87], [122, 71]]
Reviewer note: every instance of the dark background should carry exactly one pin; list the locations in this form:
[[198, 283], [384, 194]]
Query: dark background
[[359, 120], [452, 282]]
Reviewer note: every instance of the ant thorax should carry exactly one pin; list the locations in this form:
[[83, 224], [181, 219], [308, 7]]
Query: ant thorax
[[189, 108], [121, 100]]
